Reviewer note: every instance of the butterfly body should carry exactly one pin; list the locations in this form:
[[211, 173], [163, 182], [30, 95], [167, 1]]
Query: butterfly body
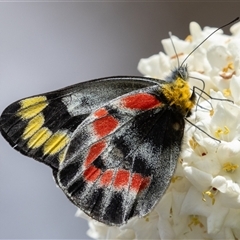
[[113, 143]]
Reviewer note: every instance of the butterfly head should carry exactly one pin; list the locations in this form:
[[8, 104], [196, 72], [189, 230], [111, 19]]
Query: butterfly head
[[180, 72]]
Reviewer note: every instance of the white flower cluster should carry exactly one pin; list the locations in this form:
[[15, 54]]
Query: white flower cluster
[[203, 199]]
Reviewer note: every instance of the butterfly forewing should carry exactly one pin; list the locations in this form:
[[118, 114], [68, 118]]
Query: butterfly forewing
[[121, 157], [41, 126]]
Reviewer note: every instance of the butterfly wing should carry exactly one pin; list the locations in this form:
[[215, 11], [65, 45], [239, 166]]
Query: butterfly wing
[[41, 126], [121, 158]]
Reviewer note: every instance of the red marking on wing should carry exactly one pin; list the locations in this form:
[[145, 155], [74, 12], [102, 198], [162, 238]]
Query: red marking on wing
[[139, 183], [95, 150], [100, 113], [145, 183], [140, 101], [121, 179], [106, 178], [91, 174], [105, 125]]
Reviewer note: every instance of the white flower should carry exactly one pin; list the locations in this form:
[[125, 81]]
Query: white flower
[[203, 199]]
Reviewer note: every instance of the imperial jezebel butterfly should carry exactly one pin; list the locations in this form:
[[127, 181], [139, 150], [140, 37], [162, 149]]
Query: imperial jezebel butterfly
[[112, 143]]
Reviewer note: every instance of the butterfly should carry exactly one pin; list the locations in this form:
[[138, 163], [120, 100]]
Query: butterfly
[[112, 143]]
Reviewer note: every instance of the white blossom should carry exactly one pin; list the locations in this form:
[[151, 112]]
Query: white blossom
[[203, 199]]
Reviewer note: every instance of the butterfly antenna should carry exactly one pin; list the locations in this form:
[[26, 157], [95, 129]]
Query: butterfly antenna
[[175, 51], [203, 131], [236, 19]]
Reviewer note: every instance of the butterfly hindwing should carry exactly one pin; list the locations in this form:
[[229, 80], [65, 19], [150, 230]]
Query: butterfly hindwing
[[120, 159], [41, 126]]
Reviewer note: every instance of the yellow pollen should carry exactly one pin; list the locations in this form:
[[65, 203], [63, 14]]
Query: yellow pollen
[[221, 131], [211, 194], [176, 178], [146, 218], [227, 92], [226, 130], [189, 38], [211, 112], [228, 71], [200, 150], [228, 67], [229, 167], [194, 222], [193, 143]]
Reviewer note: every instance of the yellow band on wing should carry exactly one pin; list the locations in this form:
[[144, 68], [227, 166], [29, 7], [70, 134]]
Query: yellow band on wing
[[30, 107], [56, 143]]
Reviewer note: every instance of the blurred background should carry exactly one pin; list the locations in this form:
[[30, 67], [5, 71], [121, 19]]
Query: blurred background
[[48, 45]]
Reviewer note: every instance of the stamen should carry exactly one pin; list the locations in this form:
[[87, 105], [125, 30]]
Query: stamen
[[200, 150], [146, 218], [221, 131], [211, 112], [228, 71], [194, 222], [189, 38], [228, 67], [230, 167], [193, 143], [211, 193], [227, 92], [176, 178]]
